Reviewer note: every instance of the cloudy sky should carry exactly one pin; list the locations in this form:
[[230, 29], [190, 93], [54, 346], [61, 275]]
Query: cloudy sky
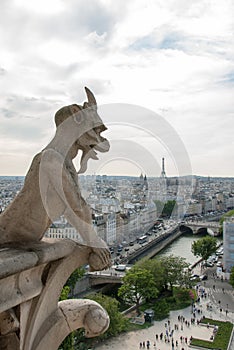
[[169, 64]]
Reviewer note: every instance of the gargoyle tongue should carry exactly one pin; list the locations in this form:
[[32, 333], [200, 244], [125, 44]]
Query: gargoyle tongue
[[88, 153]]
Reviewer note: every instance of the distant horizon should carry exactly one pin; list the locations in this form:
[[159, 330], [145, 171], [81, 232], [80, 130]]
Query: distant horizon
[[137, 176]]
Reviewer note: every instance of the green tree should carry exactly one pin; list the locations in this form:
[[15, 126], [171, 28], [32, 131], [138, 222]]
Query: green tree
[[68, 343], [165, 209], [174, 270], [161, 309], [159, 206], [204, 247], [138, 284], [231, 281], [75, 276], [64, 293], [168, 208], [156, 268], [118, 322]]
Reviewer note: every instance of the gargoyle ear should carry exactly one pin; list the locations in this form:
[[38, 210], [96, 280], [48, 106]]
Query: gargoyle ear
[[86, 105], [91, 98]]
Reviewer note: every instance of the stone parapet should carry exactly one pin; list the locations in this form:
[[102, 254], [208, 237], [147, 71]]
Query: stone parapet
[[31, 280]]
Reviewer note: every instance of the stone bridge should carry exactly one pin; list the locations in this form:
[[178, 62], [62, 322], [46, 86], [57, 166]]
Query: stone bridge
[[104, 277], [211, 227]]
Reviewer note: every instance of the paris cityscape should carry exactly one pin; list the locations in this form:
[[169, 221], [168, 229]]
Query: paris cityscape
[[125, 207], [141, 217], [116, 175]]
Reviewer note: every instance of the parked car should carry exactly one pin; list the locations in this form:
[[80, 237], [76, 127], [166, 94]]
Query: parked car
[[203, 277], [120, 268], [194, 277]]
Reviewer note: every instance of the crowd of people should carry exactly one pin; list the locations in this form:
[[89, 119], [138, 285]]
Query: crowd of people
[[172, 334]]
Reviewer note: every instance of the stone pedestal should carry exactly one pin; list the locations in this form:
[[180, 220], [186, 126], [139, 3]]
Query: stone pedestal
[[31, 280]]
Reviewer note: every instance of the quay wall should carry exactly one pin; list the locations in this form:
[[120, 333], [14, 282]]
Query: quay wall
[[155, 246]]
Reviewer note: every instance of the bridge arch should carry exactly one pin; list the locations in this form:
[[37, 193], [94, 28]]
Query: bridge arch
[[185, 229], [201, 231]]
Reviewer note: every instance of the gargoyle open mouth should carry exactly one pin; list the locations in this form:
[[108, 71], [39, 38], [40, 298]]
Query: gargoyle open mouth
[[90, 152]]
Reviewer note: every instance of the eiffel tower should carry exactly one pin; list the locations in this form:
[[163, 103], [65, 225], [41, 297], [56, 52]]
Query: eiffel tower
[[163, 173]]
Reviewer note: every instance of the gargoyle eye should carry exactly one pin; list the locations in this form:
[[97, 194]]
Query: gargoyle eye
[[99, 129]]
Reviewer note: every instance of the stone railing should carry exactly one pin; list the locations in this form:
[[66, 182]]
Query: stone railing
[[31, 280]]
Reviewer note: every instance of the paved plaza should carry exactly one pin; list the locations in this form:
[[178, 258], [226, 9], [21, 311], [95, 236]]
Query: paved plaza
[[217, 303]]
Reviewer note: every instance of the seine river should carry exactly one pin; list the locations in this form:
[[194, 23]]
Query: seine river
[[182, 247]]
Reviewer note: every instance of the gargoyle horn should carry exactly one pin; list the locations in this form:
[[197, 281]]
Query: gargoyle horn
[[90, 96]]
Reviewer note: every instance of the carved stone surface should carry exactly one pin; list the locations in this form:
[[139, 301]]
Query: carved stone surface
[[14, 260], [8, 322], [70, 315], [9, 342], [51, 186], [29, 298], [33, 271]]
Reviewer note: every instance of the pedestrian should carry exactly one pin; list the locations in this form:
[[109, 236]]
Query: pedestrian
[[143, 344], [140, 345]]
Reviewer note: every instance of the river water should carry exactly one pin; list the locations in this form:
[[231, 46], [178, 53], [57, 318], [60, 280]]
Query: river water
[[182, 247]]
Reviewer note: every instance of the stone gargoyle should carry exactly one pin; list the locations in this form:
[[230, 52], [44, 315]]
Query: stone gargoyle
[[51, 186]]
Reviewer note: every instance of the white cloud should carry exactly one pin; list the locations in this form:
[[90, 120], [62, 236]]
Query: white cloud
[[173, 57]]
